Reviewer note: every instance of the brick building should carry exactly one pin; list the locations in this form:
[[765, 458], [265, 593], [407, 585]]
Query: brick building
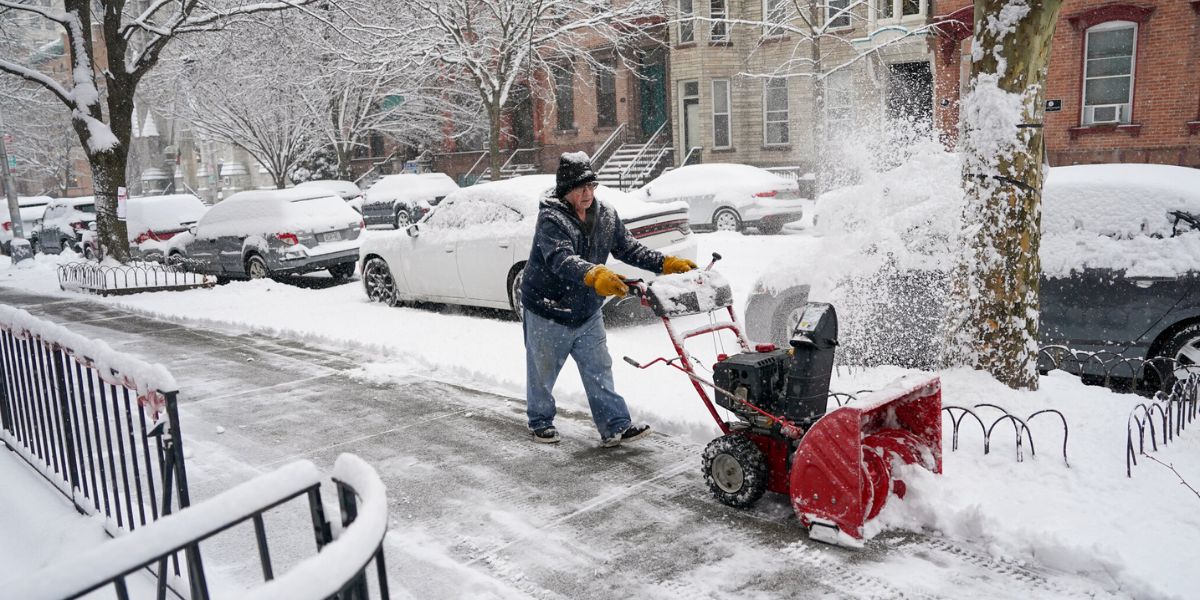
[[1122, 84]]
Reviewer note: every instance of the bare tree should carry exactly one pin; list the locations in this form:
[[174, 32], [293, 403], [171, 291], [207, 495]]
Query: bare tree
[[495, 45], [42, 142], [1002, 149], [100, 97]]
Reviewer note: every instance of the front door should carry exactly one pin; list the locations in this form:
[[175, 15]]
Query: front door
[[522, 117], [652, 92], [910, 92]]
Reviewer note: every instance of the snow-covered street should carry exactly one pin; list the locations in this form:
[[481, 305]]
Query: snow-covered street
[[270, 372]]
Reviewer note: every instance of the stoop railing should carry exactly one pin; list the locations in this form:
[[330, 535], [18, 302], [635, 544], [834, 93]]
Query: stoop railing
[[341, 569]]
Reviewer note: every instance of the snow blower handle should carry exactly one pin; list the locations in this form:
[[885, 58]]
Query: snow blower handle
[[716, 257], [637, 286]]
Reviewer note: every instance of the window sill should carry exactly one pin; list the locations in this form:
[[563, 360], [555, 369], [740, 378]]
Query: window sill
[[1132, 129], [777, 147], [1194, 126], [685, 45], [726, 150], [720, 43], [773, 39], [566, 132]]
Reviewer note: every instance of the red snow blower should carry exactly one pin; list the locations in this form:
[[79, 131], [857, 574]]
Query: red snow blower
[[837, 466]]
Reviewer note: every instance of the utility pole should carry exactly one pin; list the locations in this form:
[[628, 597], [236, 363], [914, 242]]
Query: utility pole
[[19, 247]]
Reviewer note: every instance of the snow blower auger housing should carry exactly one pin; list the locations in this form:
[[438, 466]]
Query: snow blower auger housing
[[837, 467]]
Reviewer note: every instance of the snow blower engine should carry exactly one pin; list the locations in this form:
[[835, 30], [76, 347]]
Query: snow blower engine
[[836, 466]]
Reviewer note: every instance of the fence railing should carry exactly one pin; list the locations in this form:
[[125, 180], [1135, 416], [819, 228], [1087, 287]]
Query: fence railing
[[340, 569], [131, 278], [1163, 418], [1113, 370], [103, 427]]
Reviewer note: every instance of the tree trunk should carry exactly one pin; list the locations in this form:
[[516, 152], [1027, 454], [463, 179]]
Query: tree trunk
[[108, 175], [494, 113], [818, 109], [1002, 147]]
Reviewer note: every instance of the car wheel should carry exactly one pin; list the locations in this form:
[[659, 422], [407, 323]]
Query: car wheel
[[256, 267], [88, 253], [727, 219], [342, 271], [514, 293], [403, 219], [1184, 350], [378, 282], [34, 246], [735, 470]]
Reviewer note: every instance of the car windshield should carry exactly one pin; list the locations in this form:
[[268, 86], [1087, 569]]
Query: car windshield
[[86, 208]]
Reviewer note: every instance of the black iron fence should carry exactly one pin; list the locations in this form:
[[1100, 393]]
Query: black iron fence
[[101, 426], [131, 278], [348, 565], [1116, 371], [1161, 419]]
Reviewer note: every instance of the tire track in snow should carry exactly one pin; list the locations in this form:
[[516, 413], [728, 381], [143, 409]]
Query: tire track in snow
[[846, 579], [1007, 569]]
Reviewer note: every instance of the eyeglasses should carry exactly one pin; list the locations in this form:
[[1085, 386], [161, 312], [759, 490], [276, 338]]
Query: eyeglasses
[[591, 185]]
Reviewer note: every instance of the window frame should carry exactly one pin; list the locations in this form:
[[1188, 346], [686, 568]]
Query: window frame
[[728, 114], [1113, 25], [718, 20], [689, 21], [561, 100], [608, 73], [842, 93], [831, 10], [771, 30], [898, 11], [767, 83]]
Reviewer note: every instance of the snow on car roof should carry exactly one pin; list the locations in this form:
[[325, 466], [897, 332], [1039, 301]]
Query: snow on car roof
[[413, 184], [295, 194], [274, 211], [526, 192], [710, 175], [1118, 199], [341, 187], [162, 212]]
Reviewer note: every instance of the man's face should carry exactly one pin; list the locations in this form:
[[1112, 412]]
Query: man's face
[[581, 196]]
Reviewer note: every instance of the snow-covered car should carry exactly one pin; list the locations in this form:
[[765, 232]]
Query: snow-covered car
[[401, 200], [729, 197], [472, 247], [262, 233], [32, 209], [346, 190], [63, 224], [1120, 254], [151, 222]]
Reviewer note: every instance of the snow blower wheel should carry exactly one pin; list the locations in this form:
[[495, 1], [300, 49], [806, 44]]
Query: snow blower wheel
[[735, 470]]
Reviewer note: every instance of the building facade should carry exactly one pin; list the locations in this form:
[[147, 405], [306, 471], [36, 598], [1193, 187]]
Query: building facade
[[1122, 84]]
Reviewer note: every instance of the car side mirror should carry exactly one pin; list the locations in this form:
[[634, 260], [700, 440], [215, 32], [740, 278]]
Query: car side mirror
[[413, 230], [192, 230], [92, 226]]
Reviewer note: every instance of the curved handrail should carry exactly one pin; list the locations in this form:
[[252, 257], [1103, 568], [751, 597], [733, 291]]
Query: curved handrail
[[633, 163], [600, 156]]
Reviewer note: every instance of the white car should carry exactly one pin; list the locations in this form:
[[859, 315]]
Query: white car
[[32, 209], [346, 190], [401, 200], [151, 222], [471, 249], [729, 197]]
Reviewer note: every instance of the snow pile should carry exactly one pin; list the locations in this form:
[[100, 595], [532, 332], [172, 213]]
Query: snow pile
[[276, 211]]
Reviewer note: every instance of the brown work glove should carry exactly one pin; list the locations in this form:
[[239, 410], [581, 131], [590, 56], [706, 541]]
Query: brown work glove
[[674, 264], [605, 282]]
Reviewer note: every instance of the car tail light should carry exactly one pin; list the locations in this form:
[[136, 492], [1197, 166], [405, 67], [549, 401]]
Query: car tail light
[[7, 225], [143, 237], [680, 225], [288, 238], [362, 224], [770, 194]]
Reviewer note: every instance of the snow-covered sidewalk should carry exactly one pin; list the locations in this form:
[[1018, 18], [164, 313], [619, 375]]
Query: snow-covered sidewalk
[[1133, 537]]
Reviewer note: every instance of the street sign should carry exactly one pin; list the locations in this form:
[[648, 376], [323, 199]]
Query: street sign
[[12, 162], [1053, 105], [122, 195]]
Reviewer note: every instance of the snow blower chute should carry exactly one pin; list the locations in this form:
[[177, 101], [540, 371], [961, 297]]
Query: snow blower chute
[[836, 466]]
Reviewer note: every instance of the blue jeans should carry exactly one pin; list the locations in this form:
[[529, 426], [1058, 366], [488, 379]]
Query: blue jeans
[[547, 345]]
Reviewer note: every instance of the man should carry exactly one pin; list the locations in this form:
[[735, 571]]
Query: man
[[564, 286]]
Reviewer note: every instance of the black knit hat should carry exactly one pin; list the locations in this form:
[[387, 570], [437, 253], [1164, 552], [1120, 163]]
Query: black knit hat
[[574, 170]]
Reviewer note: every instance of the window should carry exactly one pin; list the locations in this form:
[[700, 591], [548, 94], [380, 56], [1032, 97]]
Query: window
[[564, 95], [720, 95], [890, 9], [606, 94], [839, 104], [833, 13], [687, 22], [720, 28], [1108, 72], [775, 13], [462, 213], [775, 111]]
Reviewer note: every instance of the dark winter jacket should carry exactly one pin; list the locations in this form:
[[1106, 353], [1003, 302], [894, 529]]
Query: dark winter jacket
[[565, 248]]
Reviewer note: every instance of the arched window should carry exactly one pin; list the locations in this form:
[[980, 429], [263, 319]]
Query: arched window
[[1108, 72]]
